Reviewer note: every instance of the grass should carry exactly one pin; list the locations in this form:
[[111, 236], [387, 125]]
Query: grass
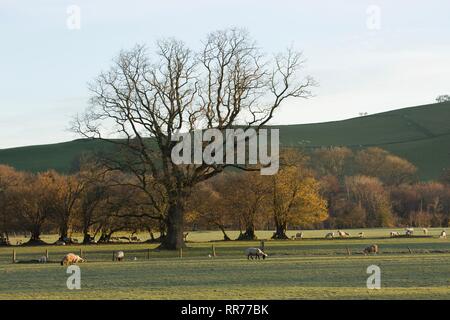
[[419, 134], [312, 268]]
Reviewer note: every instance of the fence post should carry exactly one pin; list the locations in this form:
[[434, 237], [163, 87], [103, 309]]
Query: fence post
[[46, 254], [81, 253], [213, 250], [114, 256], [261, 245], [14, 256], [409, 250], [348, 251]]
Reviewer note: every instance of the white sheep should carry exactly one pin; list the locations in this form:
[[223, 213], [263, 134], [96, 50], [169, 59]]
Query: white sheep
[[395, 234], [409, 231], [443, 235], [371, 249], [119, 255], [329, 235], [299, 235], [71, 258], [255, 252], [343, 234]]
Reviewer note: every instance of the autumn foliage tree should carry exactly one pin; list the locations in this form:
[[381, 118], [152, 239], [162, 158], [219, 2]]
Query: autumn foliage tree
[[294, 196]]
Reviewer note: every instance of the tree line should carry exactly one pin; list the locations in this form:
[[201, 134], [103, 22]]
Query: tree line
[[333, 187]]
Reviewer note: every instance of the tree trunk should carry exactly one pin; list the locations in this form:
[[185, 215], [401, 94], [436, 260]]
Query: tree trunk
[[249, 234], [225, 236], [280, 231], [36, 234], [173, 239], [63, 232]]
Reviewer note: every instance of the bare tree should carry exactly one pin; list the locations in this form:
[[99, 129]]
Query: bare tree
[[145, 100]]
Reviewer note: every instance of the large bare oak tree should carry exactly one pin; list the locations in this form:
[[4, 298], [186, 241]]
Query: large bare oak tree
[[145, 99]]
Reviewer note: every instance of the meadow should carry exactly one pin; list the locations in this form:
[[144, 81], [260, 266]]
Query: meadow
[[312, 268]]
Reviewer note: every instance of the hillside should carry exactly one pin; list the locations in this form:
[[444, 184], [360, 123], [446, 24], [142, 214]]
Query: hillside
[[420, 134]]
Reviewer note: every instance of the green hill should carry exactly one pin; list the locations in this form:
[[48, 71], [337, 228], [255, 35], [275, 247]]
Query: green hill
[[420, 134]]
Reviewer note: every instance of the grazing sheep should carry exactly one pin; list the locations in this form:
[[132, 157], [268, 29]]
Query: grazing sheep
[[361, 234], [329, 235], [255, 252], [119, 255], [343, 234], [371, 249], [395, 234], [71, 258], [409, 231], [443, 235], [299, 235], [425, 231]]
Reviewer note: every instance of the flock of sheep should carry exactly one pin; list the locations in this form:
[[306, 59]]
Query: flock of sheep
[[393, 234], [257, 253]]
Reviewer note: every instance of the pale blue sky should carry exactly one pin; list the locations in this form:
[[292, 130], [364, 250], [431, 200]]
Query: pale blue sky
[[44, 66]]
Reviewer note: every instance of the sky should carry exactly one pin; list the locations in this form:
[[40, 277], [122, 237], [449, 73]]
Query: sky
[[367, 56]]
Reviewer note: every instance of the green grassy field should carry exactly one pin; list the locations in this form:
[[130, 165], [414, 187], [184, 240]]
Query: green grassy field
[[312, 268], [419, 134]]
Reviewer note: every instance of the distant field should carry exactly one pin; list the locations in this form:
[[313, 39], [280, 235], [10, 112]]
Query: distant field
[[419, 134], [313, 268]]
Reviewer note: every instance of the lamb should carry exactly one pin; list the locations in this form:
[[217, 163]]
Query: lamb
[[119, 255], [371, 249], [255, 252], [71, 258], [395, 234], [329, 235], [343, 234], [443, 235]]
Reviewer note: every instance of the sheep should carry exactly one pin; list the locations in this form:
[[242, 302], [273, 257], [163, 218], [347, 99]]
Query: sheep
[[395, 234], [255, 252], [119, 255], [71, 258], [371, 249], [329, 235], [299, 235], [409, 231], [425, 231], [443, 235], [343, 234], [361, 234]]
